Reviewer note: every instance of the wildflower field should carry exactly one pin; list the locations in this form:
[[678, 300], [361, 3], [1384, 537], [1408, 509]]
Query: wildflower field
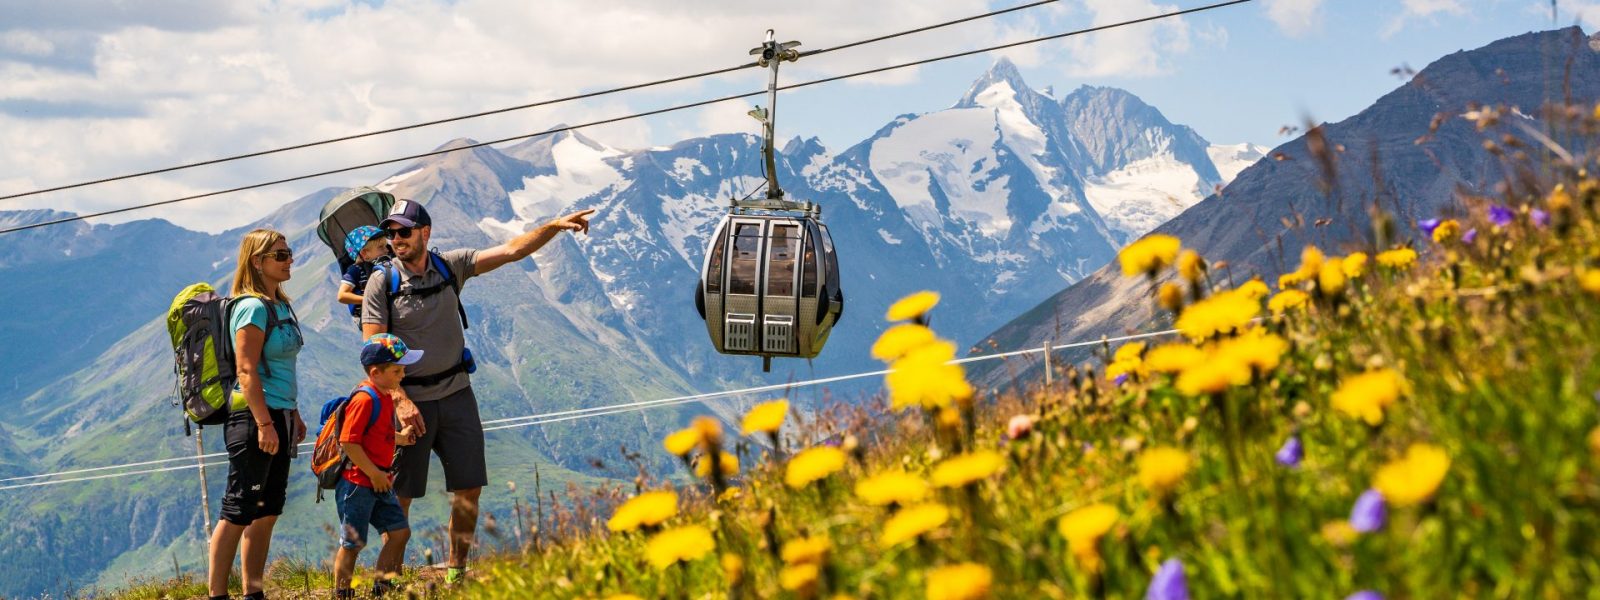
[[1412, 419]]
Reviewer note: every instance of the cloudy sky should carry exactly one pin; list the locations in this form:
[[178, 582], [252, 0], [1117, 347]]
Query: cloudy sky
[[97, 88]]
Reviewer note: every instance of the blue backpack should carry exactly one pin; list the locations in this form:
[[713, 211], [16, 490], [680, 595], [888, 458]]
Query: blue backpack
[[328, 460]]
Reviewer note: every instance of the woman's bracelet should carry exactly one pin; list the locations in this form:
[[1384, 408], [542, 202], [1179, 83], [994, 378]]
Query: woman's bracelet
[[264, 423]]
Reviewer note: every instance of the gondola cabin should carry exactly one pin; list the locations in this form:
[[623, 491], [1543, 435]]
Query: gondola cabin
[[769, 286]]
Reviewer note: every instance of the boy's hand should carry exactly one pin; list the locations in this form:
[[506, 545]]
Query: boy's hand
[[380, 482], [406, 437]]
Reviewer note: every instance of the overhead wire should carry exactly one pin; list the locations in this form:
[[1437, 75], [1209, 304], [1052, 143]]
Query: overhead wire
[[507, 109], [659, 111], [564, 415]]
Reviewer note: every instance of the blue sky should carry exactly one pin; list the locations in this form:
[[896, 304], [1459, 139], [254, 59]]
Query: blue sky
[[100, 87]]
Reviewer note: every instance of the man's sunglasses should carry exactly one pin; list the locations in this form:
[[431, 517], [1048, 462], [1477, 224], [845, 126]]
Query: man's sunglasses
[[280, 255], [398, 233]]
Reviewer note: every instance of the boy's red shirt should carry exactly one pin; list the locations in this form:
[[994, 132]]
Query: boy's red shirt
[[378, 441]]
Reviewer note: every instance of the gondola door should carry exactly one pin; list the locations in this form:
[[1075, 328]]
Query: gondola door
[[742, 287]]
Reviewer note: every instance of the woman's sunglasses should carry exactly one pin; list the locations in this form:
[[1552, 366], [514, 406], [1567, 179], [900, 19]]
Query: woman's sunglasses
[[398, 233], [280, 255]]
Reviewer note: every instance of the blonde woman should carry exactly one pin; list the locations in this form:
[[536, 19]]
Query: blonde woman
[[263, 425]]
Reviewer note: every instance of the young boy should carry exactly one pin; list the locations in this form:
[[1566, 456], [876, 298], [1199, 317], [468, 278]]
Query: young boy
[[364, 494], [367, 245]]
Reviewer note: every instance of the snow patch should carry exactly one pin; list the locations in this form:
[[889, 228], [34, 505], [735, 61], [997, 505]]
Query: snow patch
[[1144, 194], [956, 148], [581, 170], [1231, 159], [888, 239], [394, 181], [684, 168]]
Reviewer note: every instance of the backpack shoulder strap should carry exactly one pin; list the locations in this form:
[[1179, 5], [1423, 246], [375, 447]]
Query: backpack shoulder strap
[[450, 279], [372, 394]]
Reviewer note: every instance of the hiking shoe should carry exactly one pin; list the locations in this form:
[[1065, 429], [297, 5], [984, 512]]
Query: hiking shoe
[[382, 586], [344, 594], [455, 575]]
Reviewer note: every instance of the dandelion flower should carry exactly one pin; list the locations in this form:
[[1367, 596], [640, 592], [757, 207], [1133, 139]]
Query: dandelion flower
[[806, 550], [710, 429], [898, 340], [924, 377], [682, 442], [729, 465], [1331, 278], [1162, 469], [1311, 259], [1254, 289], [1398, 258], [1169, 582], [1149, 254], [1213, 377], [1083, 529], [683, 544], [913, 306], [1288, 281], [913, 522], [796, 578], [1354, 265], [1173, 358], [1222, 313], [813, 464], [1415, 478], [965, 581], [1190, 265], [1170, 297], [892, 487], [1122, 368], [1365, 396], [1369, 513], [766, 417], [1287, 300], [1447, 230], [1589, 281], [967, 469], [648, 509], [1129, 351], [732, 568], [1258, 350]]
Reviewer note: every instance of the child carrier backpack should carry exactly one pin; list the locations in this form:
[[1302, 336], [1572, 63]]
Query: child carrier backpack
[[347, 211], [439, 264], [203, 353], [328, 460]]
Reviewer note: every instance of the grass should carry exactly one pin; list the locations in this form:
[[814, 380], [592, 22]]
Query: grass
[[1477, 434]]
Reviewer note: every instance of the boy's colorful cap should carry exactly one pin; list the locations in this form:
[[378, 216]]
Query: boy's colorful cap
[[358, 238], [385, 348], [408, 214]]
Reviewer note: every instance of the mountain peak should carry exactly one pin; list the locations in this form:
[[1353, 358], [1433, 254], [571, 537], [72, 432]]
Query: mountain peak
[[1003, 72]]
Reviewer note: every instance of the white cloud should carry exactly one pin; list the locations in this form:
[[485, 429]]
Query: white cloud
[[1140, 50], [1414, 10], [191, 80], [1295, 17], [1582, 12]]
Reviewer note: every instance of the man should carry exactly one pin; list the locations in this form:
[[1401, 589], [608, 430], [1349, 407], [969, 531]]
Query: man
[[436, 396]]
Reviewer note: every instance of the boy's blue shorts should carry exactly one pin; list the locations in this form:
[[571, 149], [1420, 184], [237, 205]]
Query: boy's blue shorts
[[359, 507]]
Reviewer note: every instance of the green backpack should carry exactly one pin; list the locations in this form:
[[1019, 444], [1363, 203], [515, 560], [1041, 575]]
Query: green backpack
[[203, 357]]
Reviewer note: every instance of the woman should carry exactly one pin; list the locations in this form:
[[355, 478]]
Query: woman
[[263, 425]]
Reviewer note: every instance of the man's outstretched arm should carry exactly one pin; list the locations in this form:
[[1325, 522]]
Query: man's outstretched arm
[[522, 246]]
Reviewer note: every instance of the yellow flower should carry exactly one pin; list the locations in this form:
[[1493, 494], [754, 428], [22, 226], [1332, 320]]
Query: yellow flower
[[1129, 351], [806, 550], [623, 597], [1594, 441], [1254, 289], [729, 465], [1287, 281], [1172, 358], [965, 581], [796, 578], [682, 442], [1149, 255], [1590, 282], [913, 522], [1083, 529], [898, 340], [1169, 296], [1355, 265], [892, 487], [1213, 376], [1222, 313], [1331, 279], [1560, 198], [1287, 300], [1448, 229], [924, 377], [1162, 469], [682, 544], [1131, 367], [1365, 396], [1259, 350], [1310, 261], [1190, 265], [732, 568], [913, 306], [1414, 478], [1398, 258], [647, 509], [967, 469], [813, 464], [766, 417], [1339, 533]]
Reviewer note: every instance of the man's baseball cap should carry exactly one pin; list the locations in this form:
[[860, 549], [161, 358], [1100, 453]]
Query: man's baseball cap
[[407, 213], [385, 348]]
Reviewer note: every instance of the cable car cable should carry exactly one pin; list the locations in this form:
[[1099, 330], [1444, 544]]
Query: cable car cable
[[549, 102], [627, 117]]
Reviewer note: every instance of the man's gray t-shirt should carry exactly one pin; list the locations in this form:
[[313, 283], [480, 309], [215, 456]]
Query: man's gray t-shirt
[[430, 323]]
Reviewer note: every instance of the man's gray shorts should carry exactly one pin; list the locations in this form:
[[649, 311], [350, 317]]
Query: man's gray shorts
[[454, 433]]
